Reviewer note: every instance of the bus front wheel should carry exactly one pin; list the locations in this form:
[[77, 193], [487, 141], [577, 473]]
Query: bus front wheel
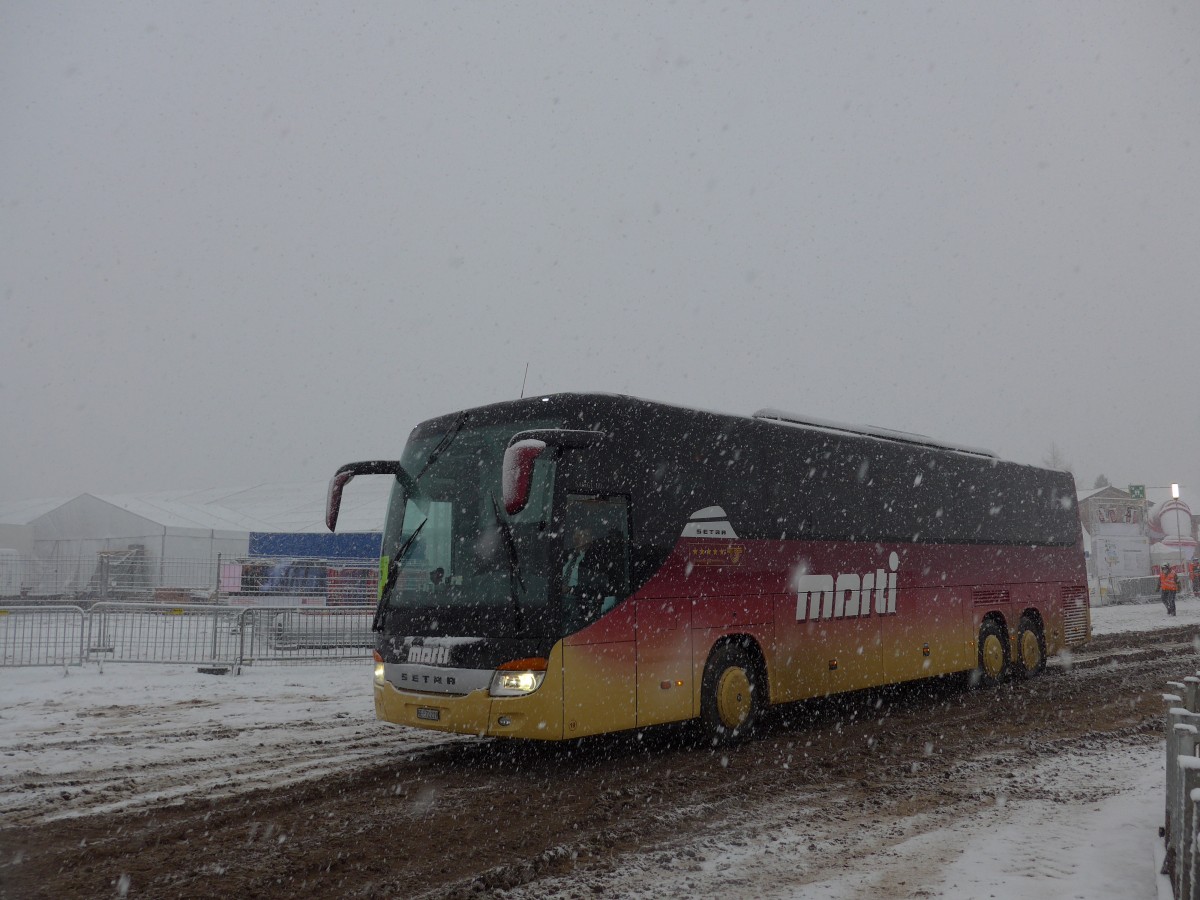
[[993, 653], [730, 699]]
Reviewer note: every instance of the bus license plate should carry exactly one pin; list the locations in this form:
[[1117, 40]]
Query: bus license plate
[[428, 714]]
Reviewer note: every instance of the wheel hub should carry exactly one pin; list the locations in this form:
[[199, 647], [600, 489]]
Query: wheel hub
[[733, 697], [993, 656], [1031, 651]]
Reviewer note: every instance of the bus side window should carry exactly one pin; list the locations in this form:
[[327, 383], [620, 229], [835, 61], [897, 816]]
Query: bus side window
[[595, 571]]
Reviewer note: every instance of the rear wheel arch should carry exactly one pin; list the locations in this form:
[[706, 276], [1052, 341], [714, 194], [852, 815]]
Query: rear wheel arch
[[1034, 614], [753, 649]]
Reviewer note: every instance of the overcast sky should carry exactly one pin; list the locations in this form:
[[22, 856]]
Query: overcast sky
[[251, 242]]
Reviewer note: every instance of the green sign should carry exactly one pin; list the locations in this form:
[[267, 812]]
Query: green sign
[[1137, 491]]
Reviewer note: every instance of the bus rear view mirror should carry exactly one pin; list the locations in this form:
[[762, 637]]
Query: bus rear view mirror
[[333, 502], [516, 479]]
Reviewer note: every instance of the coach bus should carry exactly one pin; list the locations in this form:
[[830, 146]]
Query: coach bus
[[573, 564]]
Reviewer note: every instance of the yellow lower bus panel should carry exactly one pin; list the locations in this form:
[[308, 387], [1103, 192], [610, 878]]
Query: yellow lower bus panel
[[536, 716]]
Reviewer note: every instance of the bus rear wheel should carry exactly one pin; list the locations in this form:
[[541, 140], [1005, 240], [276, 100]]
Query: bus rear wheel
[[993, 653], [730, 697], [1031, 647]]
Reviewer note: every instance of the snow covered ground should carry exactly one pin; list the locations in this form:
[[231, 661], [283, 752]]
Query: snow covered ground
[[94, 741], [1144, 616], [91, 741], [1082, 827]]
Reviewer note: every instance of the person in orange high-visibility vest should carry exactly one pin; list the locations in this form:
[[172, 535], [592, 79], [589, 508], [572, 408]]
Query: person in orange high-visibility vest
[[1169, 586]]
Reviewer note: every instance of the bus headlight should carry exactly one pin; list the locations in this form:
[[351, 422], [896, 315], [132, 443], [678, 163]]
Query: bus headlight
[[378, 668], [515, 684], [518, 677]]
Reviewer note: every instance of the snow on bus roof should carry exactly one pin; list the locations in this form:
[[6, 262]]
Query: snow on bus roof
[[887, 434]]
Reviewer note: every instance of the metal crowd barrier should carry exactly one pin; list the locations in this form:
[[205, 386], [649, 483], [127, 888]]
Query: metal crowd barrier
[[277, 635], [1182, 814], [226, 636], [134, 575], [154, 632], [42, 635], [1143, 586]]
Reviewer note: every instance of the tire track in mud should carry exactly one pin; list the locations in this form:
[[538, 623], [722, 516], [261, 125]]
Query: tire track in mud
[[215, 760], [467, 817]]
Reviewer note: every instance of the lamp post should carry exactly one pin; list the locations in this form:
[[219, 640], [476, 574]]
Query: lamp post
[[1182, 572]]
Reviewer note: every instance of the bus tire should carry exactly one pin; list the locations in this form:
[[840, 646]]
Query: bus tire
[[731, 695], [1031, 647], [993, 654]]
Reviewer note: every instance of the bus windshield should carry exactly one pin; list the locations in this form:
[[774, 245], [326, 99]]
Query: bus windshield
[[454, 556]]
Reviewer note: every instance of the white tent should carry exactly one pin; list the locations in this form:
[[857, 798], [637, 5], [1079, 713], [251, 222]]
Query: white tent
[[16, 531], [69, 539], [172, 537]]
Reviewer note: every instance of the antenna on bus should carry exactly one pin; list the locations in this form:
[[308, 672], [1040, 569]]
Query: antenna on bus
[[523, 381]]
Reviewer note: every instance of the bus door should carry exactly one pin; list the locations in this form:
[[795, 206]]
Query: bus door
[[599, 663]]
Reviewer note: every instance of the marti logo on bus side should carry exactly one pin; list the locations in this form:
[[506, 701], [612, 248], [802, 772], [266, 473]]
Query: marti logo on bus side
[[817, 597], [847, 597]]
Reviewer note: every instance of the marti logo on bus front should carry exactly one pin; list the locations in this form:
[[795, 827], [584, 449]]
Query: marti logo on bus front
[[820, 597], [434, 656]]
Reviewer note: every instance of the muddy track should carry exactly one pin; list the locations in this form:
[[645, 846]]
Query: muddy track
[[467, 817], [49, 798], [189, 765]]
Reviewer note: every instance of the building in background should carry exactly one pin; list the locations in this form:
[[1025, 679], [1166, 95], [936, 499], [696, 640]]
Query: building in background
[[169, 543], [1115, 527], [1172, 533]]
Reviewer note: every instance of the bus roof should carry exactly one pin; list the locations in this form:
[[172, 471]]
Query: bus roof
[[795, 475], [528, 405]]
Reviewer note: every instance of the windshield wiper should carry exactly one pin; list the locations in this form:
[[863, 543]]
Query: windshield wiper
[[393, 572], [443, 444], [514, 567]]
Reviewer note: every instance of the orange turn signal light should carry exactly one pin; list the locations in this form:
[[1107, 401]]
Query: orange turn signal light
[[378, 658], [531, 664]]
